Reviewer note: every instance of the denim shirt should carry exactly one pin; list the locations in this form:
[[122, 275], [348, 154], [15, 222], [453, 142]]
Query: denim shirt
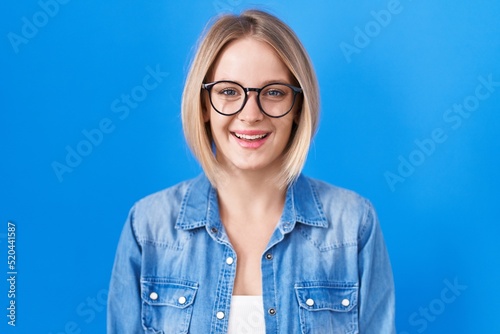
[[325, 269]]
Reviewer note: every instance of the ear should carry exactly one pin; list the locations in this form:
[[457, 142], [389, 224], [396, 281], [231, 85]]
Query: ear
[[204, 110], [297, 113], [206, 115], [296, 117]]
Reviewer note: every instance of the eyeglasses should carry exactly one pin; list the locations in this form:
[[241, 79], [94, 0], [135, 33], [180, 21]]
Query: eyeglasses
[[229, 98]]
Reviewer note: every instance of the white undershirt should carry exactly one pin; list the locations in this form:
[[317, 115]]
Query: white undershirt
[[246, 315]]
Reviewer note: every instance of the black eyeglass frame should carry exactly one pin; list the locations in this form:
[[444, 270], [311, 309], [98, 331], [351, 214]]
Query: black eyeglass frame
[[208, 87]]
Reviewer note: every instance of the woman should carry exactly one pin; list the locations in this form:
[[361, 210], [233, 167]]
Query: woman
[[252, 245]]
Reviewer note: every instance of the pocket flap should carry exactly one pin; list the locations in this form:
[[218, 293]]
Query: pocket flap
[[316, 296], [168, 292]]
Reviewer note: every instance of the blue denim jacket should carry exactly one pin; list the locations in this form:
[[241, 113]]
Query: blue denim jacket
[[325, 269]]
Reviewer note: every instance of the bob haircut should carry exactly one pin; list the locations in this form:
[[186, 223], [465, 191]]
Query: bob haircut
[[266, 28]]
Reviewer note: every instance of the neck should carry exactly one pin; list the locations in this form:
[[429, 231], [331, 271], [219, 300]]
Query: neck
[[249, 195]]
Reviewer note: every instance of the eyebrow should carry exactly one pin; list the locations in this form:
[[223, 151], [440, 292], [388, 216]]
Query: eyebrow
[[262, 84]]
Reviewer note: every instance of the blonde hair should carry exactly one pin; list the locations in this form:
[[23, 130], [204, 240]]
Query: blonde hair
[[266, 28]]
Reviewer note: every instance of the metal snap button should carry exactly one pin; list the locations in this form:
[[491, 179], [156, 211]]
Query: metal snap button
[[346, 302], [153, 296], [310, 302], [182, 300]]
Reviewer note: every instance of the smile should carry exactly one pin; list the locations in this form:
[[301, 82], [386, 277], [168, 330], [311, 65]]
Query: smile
[[249, 137]]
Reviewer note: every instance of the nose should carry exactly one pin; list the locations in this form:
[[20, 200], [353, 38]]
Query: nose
[[251, 112]]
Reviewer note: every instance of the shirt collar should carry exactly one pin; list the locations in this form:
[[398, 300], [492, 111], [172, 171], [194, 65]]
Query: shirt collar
[[200, 206]]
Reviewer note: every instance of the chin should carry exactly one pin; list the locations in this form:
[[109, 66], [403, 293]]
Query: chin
[[255, 166], [250, 167]]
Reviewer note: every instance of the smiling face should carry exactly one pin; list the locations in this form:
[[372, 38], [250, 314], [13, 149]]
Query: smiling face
[[250, 140]]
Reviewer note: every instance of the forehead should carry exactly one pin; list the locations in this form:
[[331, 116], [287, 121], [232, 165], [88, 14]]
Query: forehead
[[250, 62]]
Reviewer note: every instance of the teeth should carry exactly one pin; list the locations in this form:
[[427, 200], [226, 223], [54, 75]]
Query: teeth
[[250, 137]]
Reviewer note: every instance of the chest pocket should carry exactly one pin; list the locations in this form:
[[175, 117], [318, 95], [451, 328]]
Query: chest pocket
[[167, 304], [328, 307]]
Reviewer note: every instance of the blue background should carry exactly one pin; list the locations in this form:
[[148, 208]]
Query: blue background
[[394, 87]]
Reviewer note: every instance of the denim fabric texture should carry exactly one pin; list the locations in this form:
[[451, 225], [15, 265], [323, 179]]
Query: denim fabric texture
[[325, 269]]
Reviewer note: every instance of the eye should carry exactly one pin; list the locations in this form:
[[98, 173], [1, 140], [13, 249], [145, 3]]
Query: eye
[[275, 92], [228, 92]]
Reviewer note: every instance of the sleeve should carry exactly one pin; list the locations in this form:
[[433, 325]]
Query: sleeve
[[124, 299], [376, 297]]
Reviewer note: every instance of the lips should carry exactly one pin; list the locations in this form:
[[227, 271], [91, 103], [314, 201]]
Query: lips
[[250, 139]]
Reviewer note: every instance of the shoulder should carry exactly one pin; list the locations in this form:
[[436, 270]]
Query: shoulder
[[154, 217], [344, 209], [338, 198], [166, 199]]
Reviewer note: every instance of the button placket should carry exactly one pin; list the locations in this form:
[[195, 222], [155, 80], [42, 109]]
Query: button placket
[[224, 286]]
